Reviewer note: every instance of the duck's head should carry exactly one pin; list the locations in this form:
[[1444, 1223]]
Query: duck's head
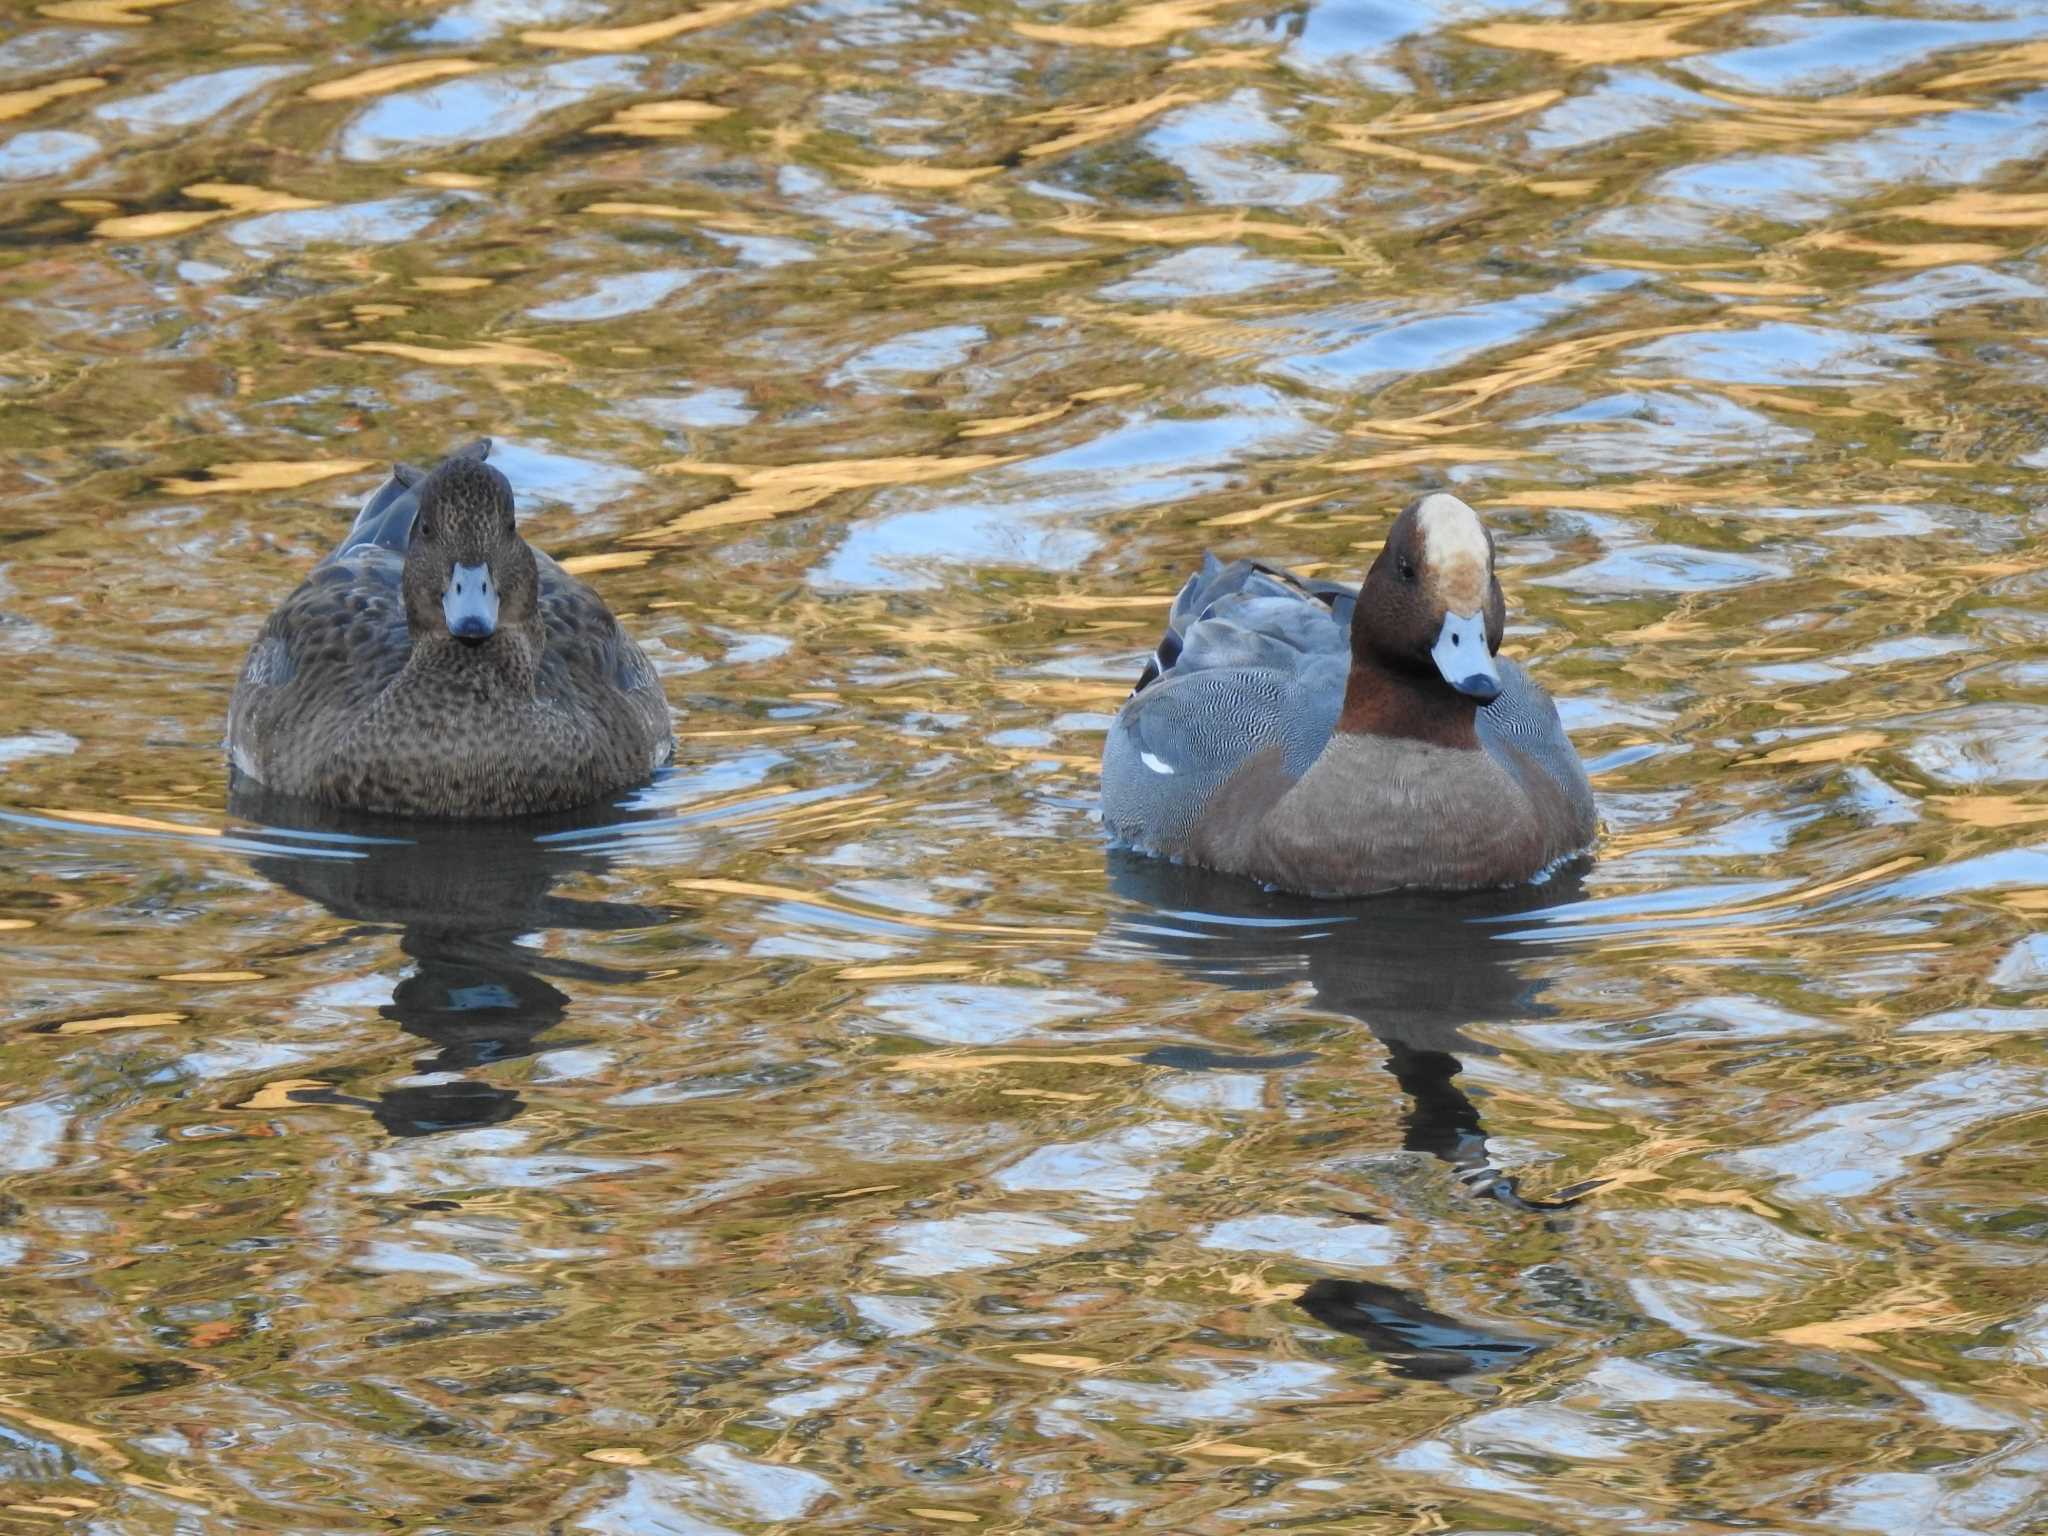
[[468, 575], [1431, 606]]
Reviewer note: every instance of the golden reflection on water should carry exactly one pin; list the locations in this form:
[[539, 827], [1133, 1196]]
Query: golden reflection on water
[[834, 1135]]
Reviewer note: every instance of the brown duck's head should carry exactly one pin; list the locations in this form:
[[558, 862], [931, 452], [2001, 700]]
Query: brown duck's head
[[468, 575], [1431, 609]]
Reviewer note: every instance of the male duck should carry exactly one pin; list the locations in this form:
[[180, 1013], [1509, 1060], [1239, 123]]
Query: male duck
[[437, 665], [1337, 743]]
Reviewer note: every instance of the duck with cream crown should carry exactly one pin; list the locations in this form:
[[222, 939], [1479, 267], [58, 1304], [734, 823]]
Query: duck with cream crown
[[1335, 742]]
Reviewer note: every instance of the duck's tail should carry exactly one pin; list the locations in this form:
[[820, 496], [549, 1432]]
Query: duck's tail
[[1216, 583]]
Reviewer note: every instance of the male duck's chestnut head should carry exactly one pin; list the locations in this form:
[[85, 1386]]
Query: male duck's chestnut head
[[1431, 610], [469, 577]]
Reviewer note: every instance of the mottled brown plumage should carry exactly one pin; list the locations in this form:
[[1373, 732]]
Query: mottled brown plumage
[[359, 693]]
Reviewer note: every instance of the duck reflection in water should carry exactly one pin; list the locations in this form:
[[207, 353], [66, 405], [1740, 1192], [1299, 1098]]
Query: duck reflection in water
[[1416, 970], [1416, 1341], [466, 899]]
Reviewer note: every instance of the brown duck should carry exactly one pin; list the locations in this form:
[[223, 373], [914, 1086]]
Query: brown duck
[[1336, 742], [438, 665]]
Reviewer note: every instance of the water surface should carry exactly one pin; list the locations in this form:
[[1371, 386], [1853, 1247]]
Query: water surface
[[834, 1136]]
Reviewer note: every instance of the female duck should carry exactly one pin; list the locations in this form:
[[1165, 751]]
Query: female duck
[[1337, 743], [437, 665]]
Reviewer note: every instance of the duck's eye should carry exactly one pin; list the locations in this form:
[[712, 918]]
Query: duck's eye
[[427, 531], [1407, 569], [508, 523]]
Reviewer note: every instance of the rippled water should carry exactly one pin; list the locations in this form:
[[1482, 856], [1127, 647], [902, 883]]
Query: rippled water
[[835, 1136]]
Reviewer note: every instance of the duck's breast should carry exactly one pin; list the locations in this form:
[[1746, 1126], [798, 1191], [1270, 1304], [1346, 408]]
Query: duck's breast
[[1381, 813]]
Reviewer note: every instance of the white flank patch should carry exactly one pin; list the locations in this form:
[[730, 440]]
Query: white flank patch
[[1156, 764]]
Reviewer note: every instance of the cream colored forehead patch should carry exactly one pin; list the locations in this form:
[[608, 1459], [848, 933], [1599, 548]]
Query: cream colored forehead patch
[[1450, 531], [1454, 552]]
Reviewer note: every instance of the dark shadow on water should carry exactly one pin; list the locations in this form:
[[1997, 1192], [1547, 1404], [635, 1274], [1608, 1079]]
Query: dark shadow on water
[[468, 902], [1417, 971]]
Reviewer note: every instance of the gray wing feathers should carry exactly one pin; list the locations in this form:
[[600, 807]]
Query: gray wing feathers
[[1269, 602], [386, 516], [1175, 744], [1524, 718], [1252, 657], [269, 663], [1220, 643], [1247, 630], [591, 658]]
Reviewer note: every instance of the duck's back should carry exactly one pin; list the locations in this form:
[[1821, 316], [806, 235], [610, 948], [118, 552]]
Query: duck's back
[[1239, 704]]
